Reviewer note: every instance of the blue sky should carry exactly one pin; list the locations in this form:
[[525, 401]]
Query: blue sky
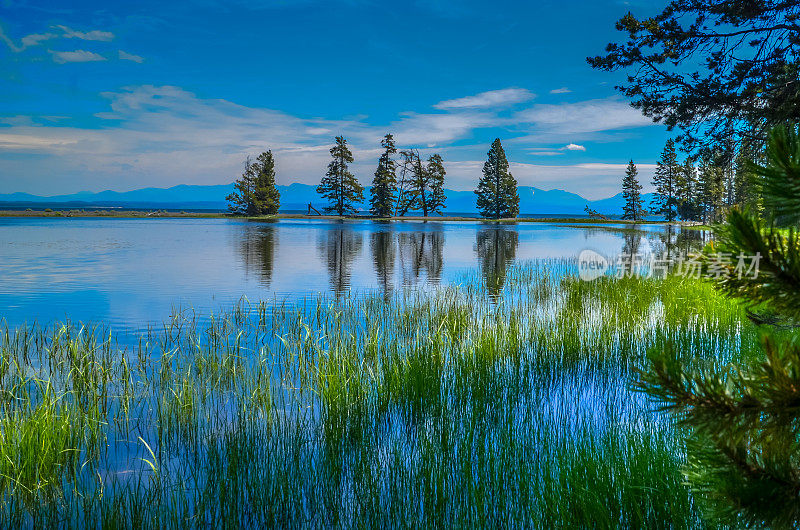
[[99, 95]]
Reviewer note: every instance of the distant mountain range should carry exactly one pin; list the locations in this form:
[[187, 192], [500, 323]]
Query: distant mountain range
[[533, 201]]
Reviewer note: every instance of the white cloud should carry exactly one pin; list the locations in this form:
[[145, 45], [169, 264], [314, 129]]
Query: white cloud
[[125, 56], [36, 38], [69, 33], [562, 90], [573, 147], [590, 116], [77, 56], [66, 32], [164, 135], [492, 98], [26, 42]]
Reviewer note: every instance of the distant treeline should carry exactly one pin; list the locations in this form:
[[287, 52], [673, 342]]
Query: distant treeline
[[398, 186], [701, 188]]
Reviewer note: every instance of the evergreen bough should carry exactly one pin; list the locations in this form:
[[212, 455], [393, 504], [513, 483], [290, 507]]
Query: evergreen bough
[[743, 422]]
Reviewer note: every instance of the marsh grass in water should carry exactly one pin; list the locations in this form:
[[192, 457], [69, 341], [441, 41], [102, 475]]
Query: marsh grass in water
[[455, 407]]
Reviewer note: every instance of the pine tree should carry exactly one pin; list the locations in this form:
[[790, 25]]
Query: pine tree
[[256, 193], [240, 202], [743, 195], [687, 189], [631, 193], [435, 177], [384, 185], [497, 189], [338, 185], [266, 197], [711, 189], [742, 421], [422, 184], [665, 198]]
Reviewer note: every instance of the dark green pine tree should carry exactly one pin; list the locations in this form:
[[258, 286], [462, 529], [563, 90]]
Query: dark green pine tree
[[339, 186], [687, 191], [743, 422], [256, 193], [665, 200], [631, 192], [266, 197], [423, 184], [384, 184], [711, 189], [241, 201], [435, 177], [497, 189]]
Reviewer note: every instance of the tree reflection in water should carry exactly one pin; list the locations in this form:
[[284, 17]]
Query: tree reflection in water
[[339, 247], [496, 247], [257, 248]]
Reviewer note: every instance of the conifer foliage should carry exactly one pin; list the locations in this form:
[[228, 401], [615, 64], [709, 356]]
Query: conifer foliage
[[665, 199], [422, 184], [744, 422], [497, 189], [339, 186], [384, 184], [256, 193], [631, 192]]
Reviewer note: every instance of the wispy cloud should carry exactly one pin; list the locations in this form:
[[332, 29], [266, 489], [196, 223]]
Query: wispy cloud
[[26, 42], [34, 39], [492, 98], [164, 135], [125, 56], [69, 33], [562, 90], [583, 117], [77, 56]]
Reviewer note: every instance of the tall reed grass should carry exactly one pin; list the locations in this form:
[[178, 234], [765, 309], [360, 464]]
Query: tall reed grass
[[445, 408]]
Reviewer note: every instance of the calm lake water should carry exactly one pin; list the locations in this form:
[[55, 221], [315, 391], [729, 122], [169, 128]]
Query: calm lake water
[[131, 273]]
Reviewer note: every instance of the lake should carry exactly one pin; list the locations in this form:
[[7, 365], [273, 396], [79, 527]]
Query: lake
[[429, 372], [131, 273]]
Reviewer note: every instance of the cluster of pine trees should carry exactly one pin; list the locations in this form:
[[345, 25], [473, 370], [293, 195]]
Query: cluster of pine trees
[[701, 188], [256, 193], [419, 187]]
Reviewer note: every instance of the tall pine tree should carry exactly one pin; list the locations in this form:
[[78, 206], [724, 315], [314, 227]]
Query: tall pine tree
[[711, 189], [266, 196], [422, 187], [256, 193], [665, 180], [240, 202], [339, 186], [435, 178], [384, 185], [631, 192], [686, 191], [497, 189]]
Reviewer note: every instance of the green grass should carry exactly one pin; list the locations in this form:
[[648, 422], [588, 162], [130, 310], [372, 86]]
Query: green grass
[[447, 408]]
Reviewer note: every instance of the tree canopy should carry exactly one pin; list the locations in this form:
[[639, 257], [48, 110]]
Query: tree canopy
[[719, 70]]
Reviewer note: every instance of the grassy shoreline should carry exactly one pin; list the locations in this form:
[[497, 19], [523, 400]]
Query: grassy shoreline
[[162, 214], [448, 409]]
